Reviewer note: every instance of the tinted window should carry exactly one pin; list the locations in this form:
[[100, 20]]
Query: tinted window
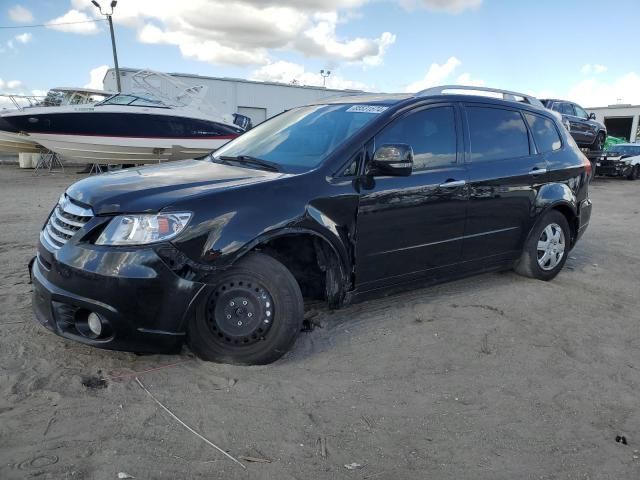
[[580, 112], [564, 108], [431, 133], [544, 133], [496, 134]]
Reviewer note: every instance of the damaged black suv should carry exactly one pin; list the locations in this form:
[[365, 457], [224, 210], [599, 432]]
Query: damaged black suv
[[339, 200]]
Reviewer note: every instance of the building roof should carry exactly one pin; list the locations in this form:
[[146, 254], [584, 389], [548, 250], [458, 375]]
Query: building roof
[[623, 105], [239, 80]]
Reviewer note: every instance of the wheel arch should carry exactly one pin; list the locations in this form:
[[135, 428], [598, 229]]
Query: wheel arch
[[297, 247], [558, 196]]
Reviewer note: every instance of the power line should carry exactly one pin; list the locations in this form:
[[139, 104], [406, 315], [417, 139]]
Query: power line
[[50, 24]]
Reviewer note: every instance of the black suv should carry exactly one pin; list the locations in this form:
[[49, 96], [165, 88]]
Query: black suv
[[340, 200], [584, 128]]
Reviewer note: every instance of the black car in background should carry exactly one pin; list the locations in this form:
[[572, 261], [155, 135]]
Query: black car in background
[[584, 128], [340, 201]]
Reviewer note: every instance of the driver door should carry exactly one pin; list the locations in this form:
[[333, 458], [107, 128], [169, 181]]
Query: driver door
[[413, 226]]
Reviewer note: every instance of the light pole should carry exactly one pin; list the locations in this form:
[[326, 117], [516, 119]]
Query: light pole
[[113, 37], [324, 74]]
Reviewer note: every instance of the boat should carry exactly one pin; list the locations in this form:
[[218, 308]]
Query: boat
[[13, 140], [159, 124]]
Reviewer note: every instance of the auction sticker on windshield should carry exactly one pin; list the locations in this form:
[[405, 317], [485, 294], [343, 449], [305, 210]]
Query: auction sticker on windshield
[[367, 109]]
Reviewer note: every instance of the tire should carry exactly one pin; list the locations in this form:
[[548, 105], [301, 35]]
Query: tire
[[251, 315], [532, 262], [635, 173], [598, 143]]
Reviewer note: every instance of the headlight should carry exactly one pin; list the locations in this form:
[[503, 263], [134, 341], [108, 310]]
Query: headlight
[[143, 229]]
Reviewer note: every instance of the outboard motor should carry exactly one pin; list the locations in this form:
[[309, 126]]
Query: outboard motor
[[242, 121]]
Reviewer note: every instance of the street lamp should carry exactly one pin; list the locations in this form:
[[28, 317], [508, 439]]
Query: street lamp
[[113, 38], [324, 74]]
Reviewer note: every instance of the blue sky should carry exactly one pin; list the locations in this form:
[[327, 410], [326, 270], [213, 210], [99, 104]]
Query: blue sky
[[582, 50]]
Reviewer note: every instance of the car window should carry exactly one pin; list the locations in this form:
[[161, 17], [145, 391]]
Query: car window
[[564, 108], [431, 133], [544, 132], [496, 134], [301, 138], [580, 112]]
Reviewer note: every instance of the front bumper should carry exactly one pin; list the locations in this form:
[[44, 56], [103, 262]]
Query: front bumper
[[612, 168], [144, 304]]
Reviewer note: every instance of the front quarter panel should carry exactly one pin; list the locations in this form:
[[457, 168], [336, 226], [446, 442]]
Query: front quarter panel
[[228, 226]]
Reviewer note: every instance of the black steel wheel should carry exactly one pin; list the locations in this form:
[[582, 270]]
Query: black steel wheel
[[635, 173], [250, 315]]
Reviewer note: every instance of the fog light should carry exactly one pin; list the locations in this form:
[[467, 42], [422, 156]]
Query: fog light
[[95, 324]]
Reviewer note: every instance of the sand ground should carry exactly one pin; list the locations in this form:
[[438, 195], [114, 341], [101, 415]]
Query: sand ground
[[492, 377]]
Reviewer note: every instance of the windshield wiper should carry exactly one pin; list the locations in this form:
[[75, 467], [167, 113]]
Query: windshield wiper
[[249, 160]]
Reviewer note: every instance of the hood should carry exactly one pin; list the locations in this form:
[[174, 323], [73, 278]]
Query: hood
[[152, 188]]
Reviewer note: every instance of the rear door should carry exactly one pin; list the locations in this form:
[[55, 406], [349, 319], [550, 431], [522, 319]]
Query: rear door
[[409, 226], [586, 128], [504, 173], [575, 126]]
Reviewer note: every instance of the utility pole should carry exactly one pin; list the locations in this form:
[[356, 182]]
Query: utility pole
[[113, 38], [324, 74]]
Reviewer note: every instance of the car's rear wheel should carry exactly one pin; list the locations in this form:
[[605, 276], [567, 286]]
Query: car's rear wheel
[[251, 315], [545, 251], [635, 173], [598, 143]]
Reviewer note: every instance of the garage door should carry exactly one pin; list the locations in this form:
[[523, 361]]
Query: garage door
[[257, 115]]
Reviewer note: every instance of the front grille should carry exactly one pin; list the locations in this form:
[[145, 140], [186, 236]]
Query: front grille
[[67, 218]]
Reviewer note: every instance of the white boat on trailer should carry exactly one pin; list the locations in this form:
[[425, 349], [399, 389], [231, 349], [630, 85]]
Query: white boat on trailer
[[15, 141], [132, 128]]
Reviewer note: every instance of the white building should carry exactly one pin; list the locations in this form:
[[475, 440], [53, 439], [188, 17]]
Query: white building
[[620, 120], [257, 100]]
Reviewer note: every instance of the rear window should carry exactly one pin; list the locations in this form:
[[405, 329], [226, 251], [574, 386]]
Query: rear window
[[496, 134], [544, 132]]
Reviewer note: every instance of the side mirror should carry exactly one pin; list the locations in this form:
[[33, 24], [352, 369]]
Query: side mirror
[[393, 159], [592, 116]]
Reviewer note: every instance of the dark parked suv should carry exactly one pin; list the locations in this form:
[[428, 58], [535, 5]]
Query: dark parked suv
[[340, 200], [584, 128]]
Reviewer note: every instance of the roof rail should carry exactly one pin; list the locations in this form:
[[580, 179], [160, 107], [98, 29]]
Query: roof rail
[[506, 94]]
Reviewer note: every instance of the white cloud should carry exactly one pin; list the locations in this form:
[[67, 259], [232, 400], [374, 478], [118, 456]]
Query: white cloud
[[465, 79], [246, 32], [70, 18], [447, 6], [595, 93], [96, 76], [24, 37], [288, 72], [438, 74], [20, 14], [596, 68], [11, 85]]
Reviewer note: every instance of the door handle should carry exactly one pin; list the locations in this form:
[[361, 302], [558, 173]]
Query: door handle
[[453, 184], [538, 171]]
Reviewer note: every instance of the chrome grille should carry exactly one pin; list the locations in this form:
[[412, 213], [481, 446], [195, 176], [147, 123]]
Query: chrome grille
[[67, 218]]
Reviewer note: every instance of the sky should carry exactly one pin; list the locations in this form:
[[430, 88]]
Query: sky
[[581, 50]]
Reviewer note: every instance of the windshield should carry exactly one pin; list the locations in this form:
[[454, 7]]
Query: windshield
[[300, 139], [134, 100], [624, 149]]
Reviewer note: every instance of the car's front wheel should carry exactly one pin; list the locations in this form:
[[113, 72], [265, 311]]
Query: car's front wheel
[[635, 173], [251, 315], [547, 247]]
